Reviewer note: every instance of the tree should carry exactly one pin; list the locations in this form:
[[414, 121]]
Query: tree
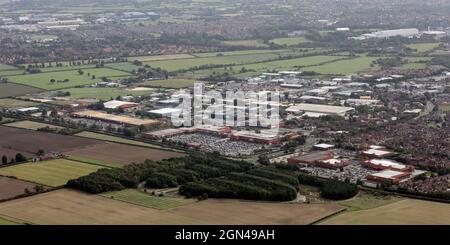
[[20, 158], [80, 72], [4, 159], [40, 152], [38, 188], [263, 159]]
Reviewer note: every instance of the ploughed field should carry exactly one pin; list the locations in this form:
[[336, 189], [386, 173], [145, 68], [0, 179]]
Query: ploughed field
[[10, 187], [12, 89]]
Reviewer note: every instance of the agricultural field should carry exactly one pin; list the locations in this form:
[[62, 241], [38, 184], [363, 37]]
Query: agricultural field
[[105, 137], [52, 173], [242, 52], [345, 67], [67, 68], [144, 199], [11, 89], [15, 104], [28, 142], [67, 206], [290, 41], [403, 212], [123, 66], [120, 153], [10, 187], [102, 93], [160, 57], [6, 222], [6, 73], [423, 47], [247, 43], [169, 83], [4, 67], [364, 201], [412, 66], [31, 125], [42, 80], [180, 64], [43, 37]]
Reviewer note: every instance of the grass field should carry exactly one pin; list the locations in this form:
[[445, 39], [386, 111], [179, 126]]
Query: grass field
[[413, 66], [31, 125], [365, 201], [180, 64], [140, 198], [247, 43], [444, 107], [43, 37], [242, 52], [290, 41], [160, 57], [67, 68], [102, 163], [12, 103], [6, 73], [71, 207], [11, 89], [344, 67], [102, 93], [423, 47], [51, 173], [42, 80], [7, 67], [124, 66], [169, 83], [115, 139], [404, 212]]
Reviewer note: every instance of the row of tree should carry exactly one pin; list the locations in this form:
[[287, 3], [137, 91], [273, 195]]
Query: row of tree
[[330, 188]]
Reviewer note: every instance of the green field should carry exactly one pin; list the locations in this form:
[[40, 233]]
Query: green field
[[423, 47], [160, 57], [290, 41], [413, 66], [169, 83], [124, 66], [7, 67], [14, 104], [143, 199], [67, 68], [444, 107], [5, 73], [50, 173], [43, 37], [247, 43], [242, 52], [345, 67], [31, 125], [42, 80], [102, 93], [366, 200]]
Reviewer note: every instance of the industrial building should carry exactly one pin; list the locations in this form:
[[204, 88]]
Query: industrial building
[[386, 164], [388, 176], [323, 159], [117, 104], [320, 110], [105, 117], [377, 152]]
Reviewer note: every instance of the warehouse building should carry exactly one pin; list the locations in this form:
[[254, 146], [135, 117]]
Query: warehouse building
[[320, 109], [122, 120], [386, 164], [388, 176], [117, 104], [323, 159]]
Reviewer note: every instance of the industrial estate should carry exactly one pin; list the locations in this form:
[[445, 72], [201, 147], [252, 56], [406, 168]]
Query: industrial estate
[[91, 93]]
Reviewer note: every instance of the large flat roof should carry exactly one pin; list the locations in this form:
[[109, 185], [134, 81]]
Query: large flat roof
[[327, 109], [388, 174], [387, 163], [115, 118]]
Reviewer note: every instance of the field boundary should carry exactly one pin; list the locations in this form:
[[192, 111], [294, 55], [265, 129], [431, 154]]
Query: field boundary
[[328, 216]]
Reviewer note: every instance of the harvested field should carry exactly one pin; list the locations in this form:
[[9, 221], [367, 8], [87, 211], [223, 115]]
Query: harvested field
[[120, 153], [28, 142], [71, 207], [51, 173], [12, 89], [404, 212], [31, 125], [15, 104], [10, 187], [6, 222], [105, 137], [227, 212], [145, 199]]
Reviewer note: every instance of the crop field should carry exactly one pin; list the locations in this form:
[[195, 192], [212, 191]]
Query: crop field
[[290, 63], [169, 83], [160, 57], [14, 104], [423, 47], [42, 80], [67, 206], [10, 188], [124, 66], [413, 66], [105, 137], [242, 52], [28, 142], [4, 67], [290, 41], [11, 89], [31, 125], [120, 153], [67, 68], [51, 173], [404, 212], [100, 163], [247, 43], [216, 211], [344, 67], [144, 199], [180, 64], [102, 93]]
